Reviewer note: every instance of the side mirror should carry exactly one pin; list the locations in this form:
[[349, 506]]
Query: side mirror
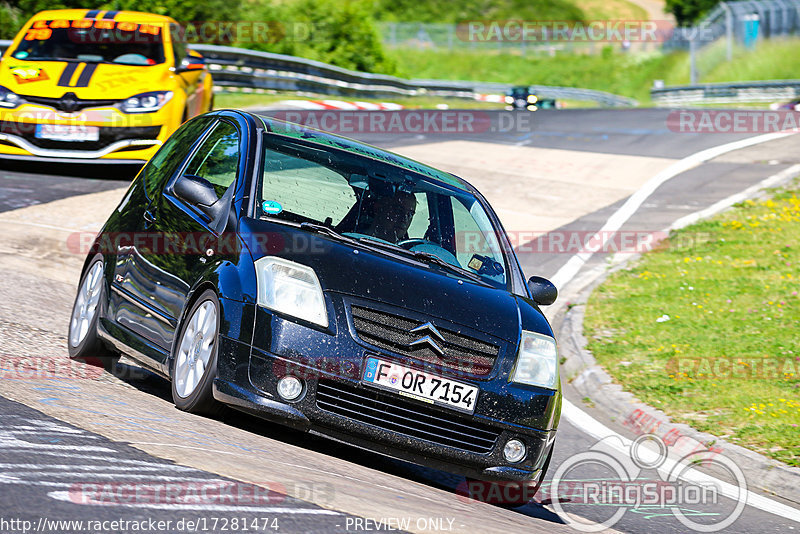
[[191, 63], [542, 290], [199, 193]]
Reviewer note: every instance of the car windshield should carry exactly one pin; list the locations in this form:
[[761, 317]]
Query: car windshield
[[87, 40], [381, 204]]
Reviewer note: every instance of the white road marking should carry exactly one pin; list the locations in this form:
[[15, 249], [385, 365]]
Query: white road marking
[[586, 423], [589, 425], [725, 203], [64, 496], [568, 271], [100, 458], [93, 476], [150, 467]]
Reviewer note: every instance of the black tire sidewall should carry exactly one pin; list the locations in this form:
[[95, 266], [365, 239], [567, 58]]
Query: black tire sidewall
[[201, 399]]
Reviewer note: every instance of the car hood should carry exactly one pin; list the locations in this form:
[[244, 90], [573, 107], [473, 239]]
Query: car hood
[[51, 79], [364, 274]]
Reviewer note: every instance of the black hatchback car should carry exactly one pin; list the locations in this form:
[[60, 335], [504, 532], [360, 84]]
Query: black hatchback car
[[330, 286]]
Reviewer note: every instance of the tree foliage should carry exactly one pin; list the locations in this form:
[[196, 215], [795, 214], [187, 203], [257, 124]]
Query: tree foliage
[[687, 12]]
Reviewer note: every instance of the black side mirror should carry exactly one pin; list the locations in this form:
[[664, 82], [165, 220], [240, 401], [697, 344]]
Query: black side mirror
[[199, 193], [189, 63], [542, 290]]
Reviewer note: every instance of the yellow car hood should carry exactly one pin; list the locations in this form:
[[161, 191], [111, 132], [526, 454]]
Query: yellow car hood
[[87, 80]]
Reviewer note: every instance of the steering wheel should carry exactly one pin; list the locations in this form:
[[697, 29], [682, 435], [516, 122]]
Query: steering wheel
[[413, 242]]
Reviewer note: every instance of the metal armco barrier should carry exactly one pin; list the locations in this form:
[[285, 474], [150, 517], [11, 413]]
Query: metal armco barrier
[[250, 69], [719, 93]]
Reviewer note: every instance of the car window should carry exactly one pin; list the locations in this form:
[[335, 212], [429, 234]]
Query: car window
[[475, 247], [217, 159], [93, 41], [364, 198], [165, 162], [178, 44], [305, 188]]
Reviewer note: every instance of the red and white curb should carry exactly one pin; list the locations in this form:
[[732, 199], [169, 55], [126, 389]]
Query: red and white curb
[[342, 105]]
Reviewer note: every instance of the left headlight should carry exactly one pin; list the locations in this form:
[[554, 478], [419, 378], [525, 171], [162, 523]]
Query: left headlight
[[8, 98], [146, 102], [537, 361], [290, 288]]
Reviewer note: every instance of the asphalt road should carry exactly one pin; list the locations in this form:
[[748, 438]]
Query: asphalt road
[[343, 483]]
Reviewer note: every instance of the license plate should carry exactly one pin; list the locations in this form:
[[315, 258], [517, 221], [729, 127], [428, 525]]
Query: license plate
[[67, 132], [420, 385]]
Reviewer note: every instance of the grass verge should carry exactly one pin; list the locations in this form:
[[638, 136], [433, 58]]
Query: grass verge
[[705, 327], [612, 71]]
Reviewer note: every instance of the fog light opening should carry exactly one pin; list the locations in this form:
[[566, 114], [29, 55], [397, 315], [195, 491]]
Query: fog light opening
[[514, 451], [290, 388]]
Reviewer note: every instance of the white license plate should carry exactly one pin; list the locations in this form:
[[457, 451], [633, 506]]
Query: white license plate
[[67, 132], [420, 385]]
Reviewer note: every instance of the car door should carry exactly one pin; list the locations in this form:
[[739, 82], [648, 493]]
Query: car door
[[164, 269], [129, 300]]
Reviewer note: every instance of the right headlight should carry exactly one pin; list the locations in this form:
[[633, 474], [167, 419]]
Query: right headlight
[[537, 361], [8, 98], [290, 288], [146, 102]]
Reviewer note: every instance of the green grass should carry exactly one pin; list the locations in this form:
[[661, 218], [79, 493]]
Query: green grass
[[727, 359], [624, 74], [611, 10]]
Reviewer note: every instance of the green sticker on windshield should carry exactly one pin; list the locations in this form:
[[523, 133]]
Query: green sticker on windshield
[[272, 207]]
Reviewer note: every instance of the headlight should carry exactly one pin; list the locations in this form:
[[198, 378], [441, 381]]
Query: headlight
[[146, 102], [532, 99], [9, 99], [537, 361], [509, 100], [290, 288]]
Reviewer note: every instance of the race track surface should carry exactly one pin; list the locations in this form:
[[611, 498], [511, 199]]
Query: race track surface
[[63, 435]]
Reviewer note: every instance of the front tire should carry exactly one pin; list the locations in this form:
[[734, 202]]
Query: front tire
[[83, 343], [194, 362]]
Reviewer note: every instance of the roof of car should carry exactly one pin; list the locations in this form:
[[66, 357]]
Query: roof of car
[[119, 16], [298, 131]]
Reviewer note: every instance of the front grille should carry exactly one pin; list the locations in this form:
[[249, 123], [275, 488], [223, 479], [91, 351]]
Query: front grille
[[108, 135], [393, 332], [77, 104], [394, 414]]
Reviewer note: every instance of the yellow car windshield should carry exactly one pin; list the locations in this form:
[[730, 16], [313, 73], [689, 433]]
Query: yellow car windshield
[[97, 41]]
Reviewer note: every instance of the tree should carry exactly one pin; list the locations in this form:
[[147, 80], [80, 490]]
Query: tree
[[687, 12]]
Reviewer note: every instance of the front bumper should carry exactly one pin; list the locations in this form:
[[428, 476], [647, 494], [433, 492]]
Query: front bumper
[[337, 405], [122, 138]]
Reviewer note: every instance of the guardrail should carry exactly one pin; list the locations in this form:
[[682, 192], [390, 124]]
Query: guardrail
[[721, 93], [239, 68]]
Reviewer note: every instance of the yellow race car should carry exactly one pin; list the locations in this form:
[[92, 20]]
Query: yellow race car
[[97, 86]]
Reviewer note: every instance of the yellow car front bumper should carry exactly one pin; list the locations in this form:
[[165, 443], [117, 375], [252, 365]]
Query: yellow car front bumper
[[122, 138]]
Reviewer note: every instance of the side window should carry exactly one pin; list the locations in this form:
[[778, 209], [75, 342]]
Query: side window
[[418, 229], [163, 165], [178, 44], [217, 159]]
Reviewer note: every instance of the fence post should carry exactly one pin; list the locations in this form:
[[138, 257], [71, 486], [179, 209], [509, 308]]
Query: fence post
[[692, 59], [728, 29]]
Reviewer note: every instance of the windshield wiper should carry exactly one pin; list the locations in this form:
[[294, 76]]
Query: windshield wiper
[[327, 230], [426, 257], [433, 258]]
